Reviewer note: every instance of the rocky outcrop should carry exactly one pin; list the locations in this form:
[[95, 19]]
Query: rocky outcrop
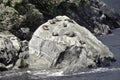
[[61, 43], [9, 47], [18, 14], [92, 14], [12, 51], [23, 56], [23, 17]]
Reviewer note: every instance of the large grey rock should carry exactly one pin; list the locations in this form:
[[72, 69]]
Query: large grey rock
[[13, 52], [63, 44]]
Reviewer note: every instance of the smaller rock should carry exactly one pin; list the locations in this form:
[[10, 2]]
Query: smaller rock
[[3, 67], [24, 50], [82, 42], [21, 63], [56, 19], [24, 55], [69, 20], [24, 33], [25, 30], [52, 21], [10, 66], [55, 34], [45, 27]]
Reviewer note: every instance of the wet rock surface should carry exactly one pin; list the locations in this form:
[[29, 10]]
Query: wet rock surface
[[67, 46]]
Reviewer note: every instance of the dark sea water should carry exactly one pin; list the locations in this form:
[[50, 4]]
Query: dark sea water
[[109, 73], [115, 4]]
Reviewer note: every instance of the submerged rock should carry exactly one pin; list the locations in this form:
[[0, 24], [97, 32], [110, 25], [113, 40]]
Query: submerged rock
[[66, 45]]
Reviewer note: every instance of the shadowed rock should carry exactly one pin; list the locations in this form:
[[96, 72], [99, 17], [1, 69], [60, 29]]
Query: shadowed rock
[[13, 52], [9, 48]]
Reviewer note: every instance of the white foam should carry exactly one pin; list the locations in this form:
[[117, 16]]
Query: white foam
[[60, 73], [48, 73], [56, 74], [98, 70]]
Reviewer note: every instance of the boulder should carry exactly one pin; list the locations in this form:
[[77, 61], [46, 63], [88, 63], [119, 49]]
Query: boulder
[[9, 50], [61, 43], [22, 62]]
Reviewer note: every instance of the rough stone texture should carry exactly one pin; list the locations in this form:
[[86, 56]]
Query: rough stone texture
[[9, 18], [13, 52], [9, 48], [22, 62], [63, 44], [22, 56], [92, 14], [17, 14]]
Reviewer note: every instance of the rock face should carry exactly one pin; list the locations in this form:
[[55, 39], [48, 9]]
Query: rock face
[[9, 48], [13, 52], [92, 14], [63, 44]]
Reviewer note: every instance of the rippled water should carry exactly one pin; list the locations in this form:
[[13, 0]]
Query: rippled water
[[95, 74], [110, 73], [115, 4]]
